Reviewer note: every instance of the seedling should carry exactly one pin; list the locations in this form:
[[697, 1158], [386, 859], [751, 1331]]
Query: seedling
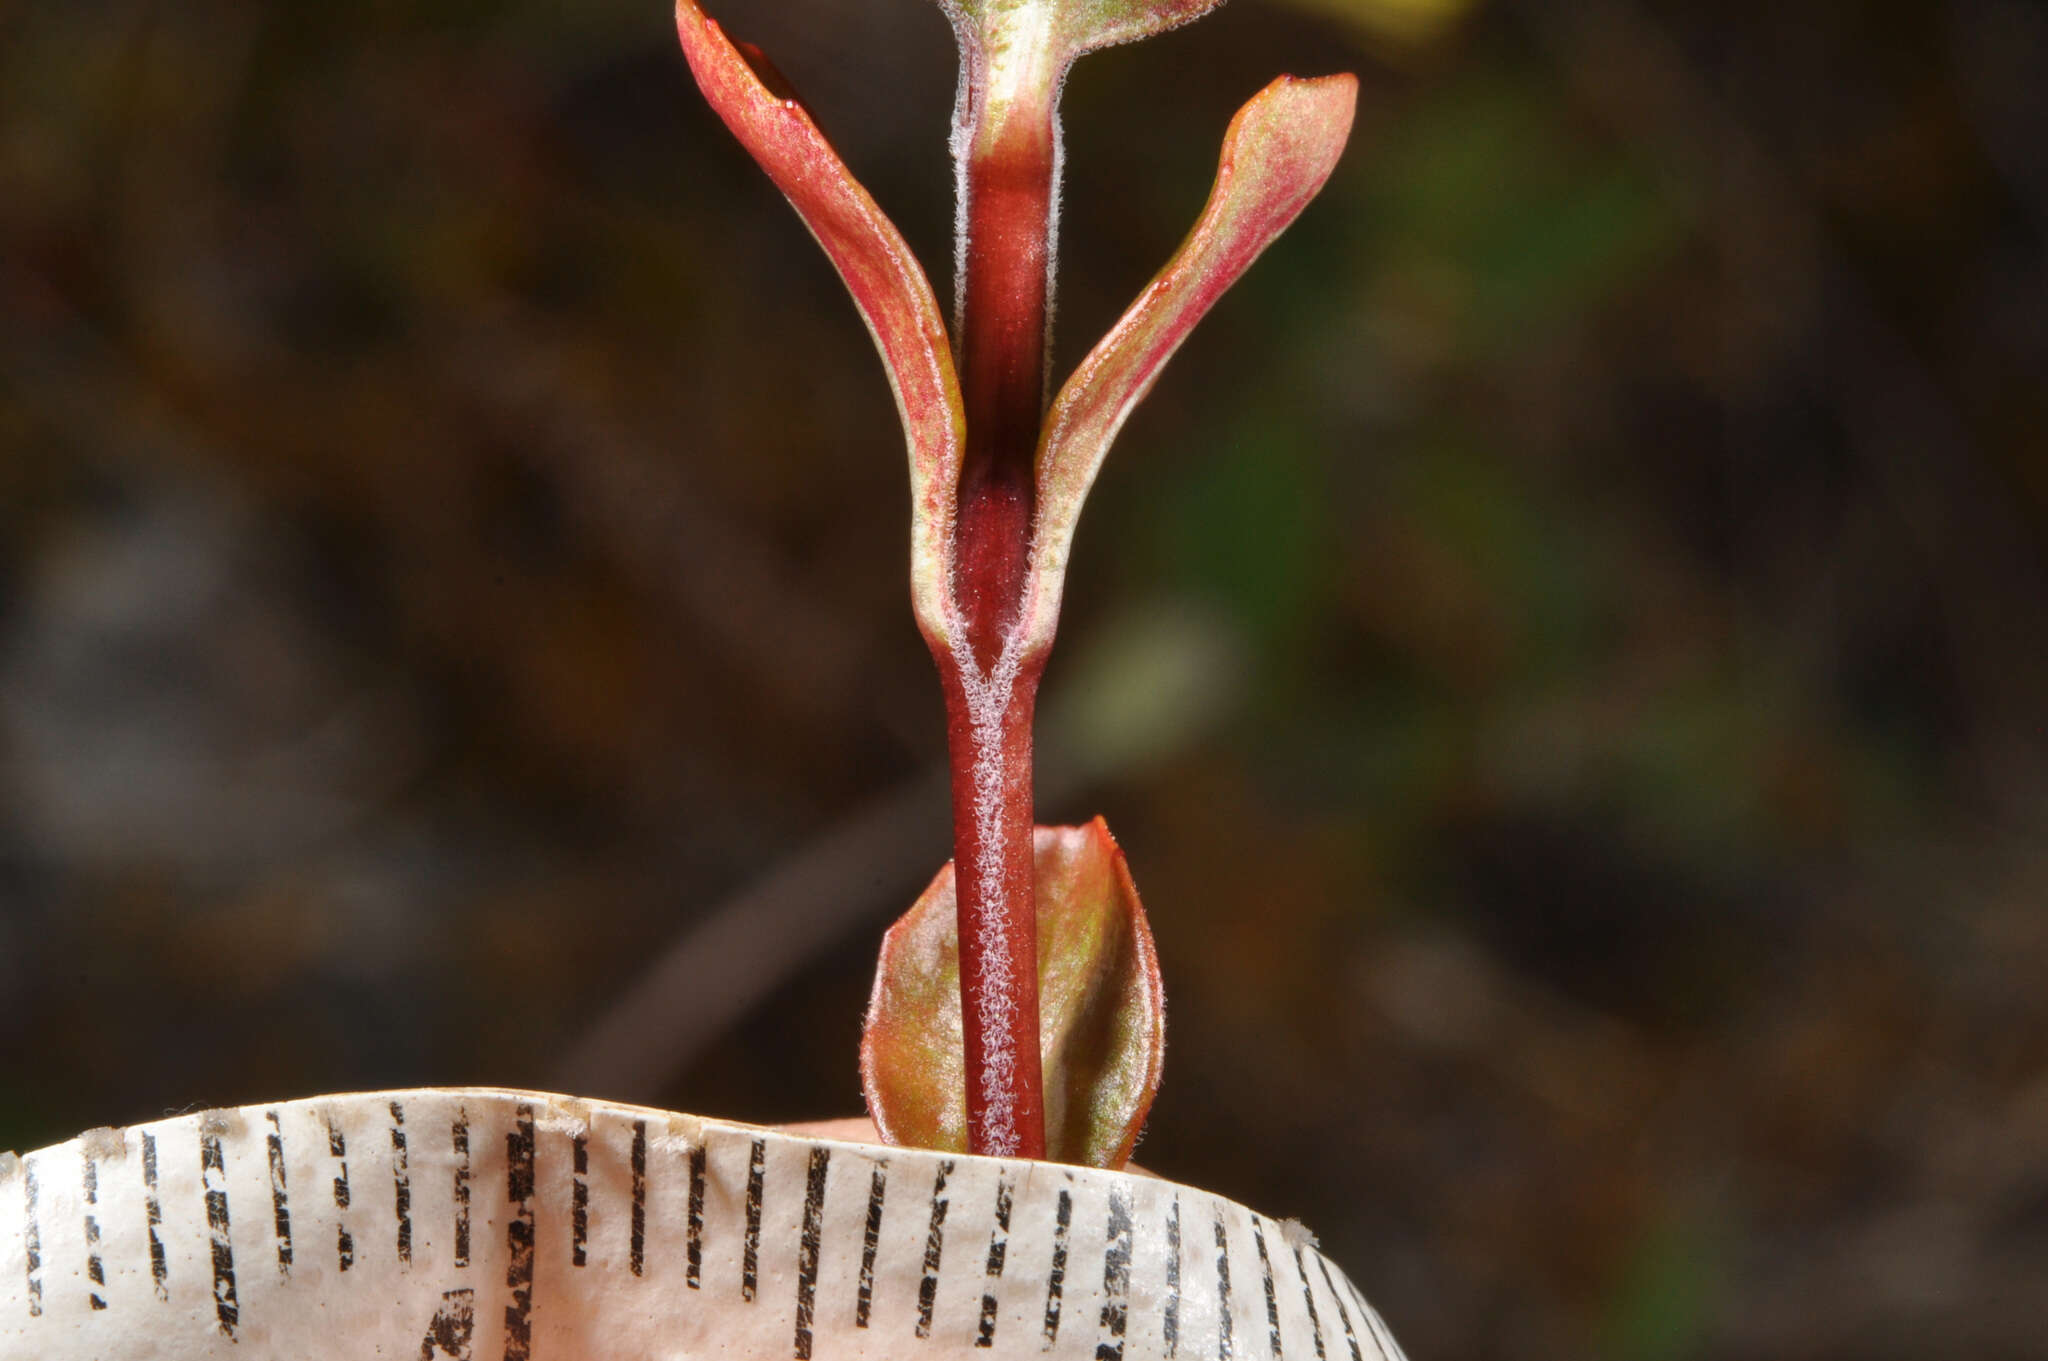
[[1017, 1008]]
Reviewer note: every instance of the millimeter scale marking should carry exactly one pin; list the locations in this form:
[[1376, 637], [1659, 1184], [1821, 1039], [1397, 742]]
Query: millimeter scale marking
[[487, 1225]]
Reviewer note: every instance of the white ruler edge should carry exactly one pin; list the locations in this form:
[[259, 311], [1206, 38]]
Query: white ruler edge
[[481, 1223]]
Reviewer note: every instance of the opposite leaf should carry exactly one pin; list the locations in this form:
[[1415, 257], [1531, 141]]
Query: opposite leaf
[[1101, 1005], [1278, 153], [893, 295]]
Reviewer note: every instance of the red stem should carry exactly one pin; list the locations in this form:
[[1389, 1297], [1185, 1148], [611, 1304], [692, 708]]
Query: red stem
[[998, 915], [991, 691]]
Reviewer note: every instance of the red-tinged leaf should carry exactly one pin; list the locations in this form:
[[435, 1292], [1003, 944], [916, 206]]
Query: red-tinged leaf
[[1070, 27], [889, 288], [1279, 151], [1101, 1006]]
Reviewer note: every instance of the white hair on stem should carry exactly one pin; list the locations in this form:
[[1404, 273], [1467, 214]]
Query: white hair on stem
[[961, 144], [989, 696], [1052, 235], [988, 700]]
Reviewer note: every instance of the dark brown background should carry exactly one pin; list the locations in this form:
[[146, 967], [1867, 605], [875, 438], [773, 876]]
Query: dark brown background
[[1582, 598]]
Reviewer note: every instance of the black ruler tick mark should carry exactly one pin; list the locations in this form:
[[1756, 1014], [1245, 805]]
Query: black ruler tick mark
[[1116, 1278], [579, 1197], [95, 1270], [453, 1327], [1272, 1298], [213, 1175], [1172, 1322], [934, 1245], [344, 1241], [32, 1238], [1343, 1314], [637, 1240], [1225, 1321], [401, 1183], [693, 1250], [750, 1255], [870, 1239], [808, 1248], [1308, 1297], [998, 1249], [1365, 1314], [519, 1237], [280, 1206], [460, 1137], [153, 1211], [337, 1146], [1056, 1278]]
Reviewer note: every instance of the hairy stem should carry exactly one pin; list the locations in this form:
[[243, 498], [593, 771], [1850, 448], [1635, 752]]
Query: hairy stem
[[989, 738], [1007, 148]]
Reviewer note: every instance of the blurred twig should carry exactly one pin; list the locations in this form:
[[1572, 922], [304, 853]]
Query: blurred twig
[[730, 957], [1155, 681], [636, 503]]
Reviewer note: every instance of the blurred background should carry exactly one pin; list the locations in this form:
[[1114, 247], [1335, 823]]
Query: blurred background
[[1564, 648]]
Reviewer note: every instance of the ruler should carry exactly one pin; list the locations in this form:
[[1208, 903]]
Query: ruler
[[479, 1223]]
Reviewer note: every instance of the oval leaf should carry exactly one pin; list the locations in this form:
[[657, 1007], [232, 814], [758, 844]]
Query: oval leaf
[[890, 289], [1101, 1005], [1279, 152]]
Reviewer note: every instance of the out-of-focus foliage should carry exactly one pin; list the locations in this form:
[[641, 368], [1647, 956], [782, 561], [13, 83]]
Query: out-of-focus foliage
[[452, 537], [1409, 22]]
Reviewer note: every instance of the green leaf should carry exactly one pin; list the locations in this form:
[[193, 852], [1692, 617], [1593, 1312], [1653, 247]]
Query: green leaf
[[1279, 152], [1102, 1010], [888, 286]]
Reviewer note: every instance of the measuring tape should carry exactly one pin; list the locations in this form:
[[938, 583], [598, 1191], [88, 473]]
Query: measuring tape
[[476, 1223]]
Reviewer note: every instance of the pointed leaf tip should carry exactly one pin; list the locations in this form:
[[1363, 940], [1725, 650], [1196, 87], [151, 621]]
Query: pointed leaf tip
[[1280, 150], [888, 287], [1101, 1003]]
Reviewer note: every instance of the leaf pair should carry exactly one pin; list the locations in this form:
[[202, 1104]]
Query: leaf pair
[[1102, 1009], [1278, 152], [1101, 1013]]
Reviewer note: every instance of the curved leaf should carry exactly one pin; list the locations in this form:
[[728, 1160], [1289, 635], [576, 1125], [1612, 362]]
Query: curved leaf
[[1073, 27], [1279, 151], [1101, 1005], [890, 289]]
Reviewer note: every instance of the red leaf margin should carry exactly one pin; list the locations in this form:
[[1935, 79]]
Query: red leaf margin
[[1278, 153], [888, 286]]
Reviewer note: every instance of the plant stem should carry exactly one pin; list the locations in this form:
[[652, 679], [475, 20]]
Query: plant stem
[[989, 732], [1008, 161]]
